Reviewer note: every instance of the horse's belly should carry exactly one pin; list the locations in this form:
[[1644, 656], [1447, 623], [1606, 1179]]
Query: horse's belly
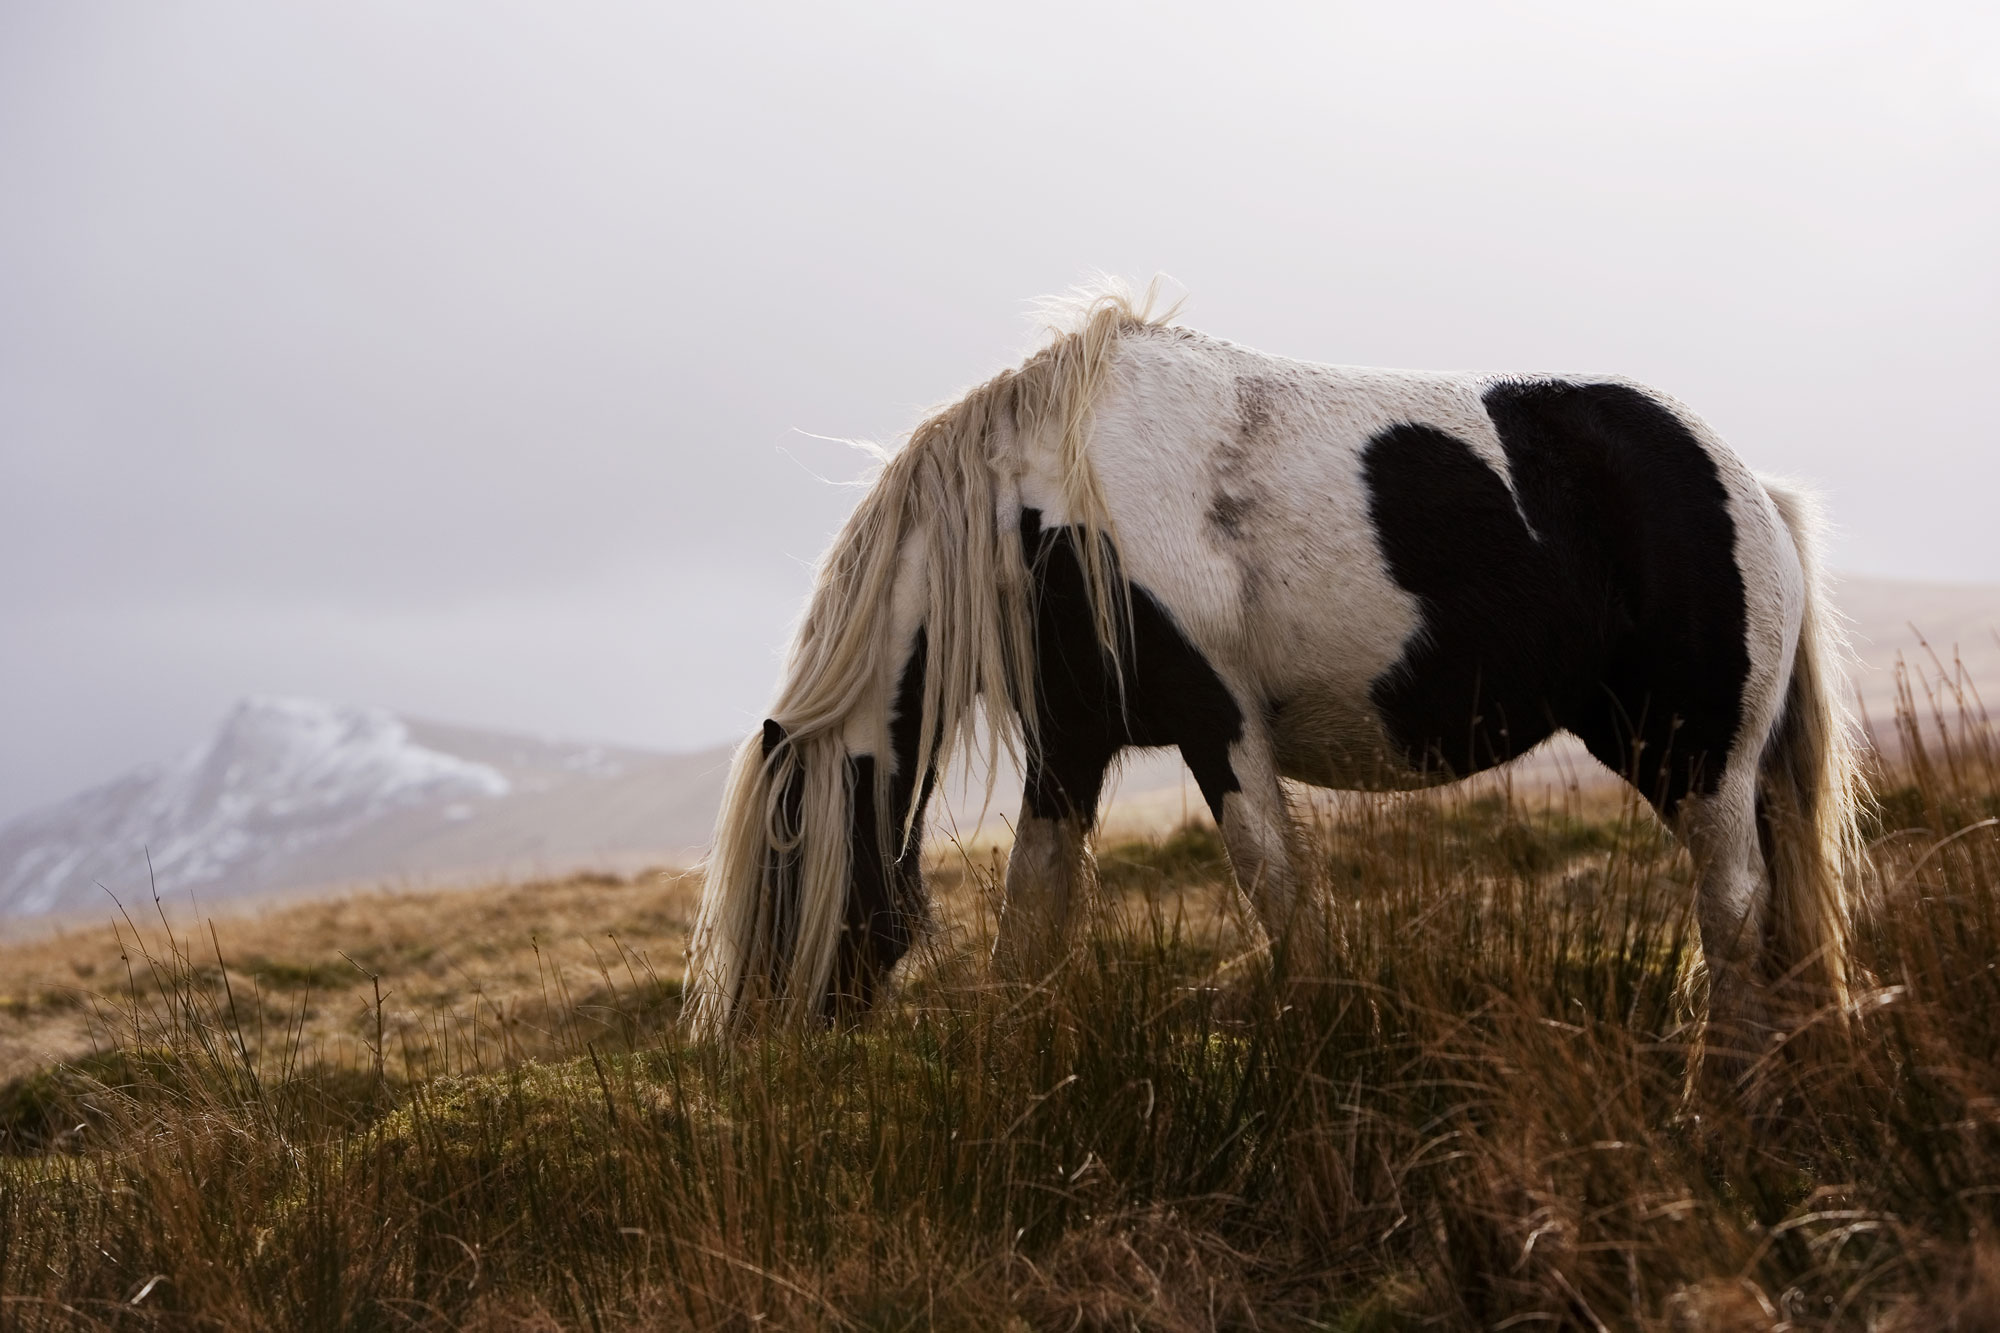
[[1331, 738]]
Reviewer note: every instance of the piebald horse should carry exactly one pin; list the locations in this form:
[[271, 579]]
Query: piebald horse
[[1353, 578]]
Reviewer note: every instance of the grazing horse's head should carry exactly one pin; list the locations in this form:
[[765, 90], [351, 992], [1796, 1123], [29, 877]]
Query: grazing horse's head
[[880, 832], [919, 612]]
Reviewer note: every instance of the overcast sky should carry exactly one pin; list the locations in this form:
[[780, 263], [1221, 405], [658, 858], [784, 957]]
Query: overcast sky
[[466, 358]]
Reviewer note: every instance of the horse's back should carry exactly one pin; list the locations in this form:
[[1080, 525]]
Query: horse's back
[[1418, 574]]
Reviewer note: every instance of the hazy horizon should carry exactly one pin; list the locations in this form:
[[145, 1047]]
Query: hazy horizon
[[470, 360]]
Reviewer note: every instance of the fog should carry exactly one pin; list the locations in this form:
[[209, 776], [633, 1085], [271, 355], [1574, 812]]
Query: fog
[[474, 359]]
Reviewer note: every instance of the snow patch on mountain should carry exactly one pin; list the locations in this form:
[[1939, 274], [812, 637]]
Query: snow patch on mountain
[[279, 777]]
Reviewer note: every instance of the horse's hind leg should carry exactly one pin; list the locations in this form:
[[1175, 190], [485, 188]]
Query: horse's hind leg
[[1732, 905], [1717, 823], [1045, 869]]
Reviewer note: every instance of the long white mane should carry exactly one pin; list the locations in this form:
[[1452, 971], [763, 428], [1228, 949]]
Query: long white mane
[[947, 488]]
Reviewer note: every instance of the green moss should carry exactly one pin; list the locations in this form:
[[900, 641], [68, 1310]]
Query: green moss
[[1192, 853], [59, 1108]]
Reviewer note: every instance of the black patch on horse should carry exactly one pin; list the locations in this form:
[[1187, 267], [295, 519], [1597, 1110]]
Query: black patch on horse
[[1619, 617], [1171, 696]]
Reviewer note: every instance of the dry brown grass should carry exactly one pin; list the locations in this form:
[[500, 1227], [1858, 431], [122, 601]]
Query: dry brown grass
[[1478, 1115], [486, 975]]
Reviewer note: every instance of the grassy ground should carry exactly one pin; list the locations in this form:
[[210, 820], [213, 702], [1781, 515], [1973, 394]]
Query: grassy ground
[[1479, 1116], [469, 980]]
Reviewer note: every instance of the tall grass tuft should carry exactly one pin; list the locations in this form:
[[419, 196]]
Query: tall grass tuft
[[1477, 1115]]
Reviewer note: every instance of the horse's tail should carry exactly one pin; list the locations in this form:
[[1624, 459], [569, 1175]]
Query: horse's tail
[[1811, 790], [777, 880]]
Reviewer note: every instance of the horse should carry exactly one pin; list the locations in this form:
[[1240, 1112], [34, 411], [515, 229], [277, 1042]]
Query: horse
[[1350, 578]]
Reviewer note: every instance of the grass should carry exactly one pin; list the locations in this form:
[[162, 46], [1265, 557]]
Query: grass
[[1479, 1115], [471, 978]]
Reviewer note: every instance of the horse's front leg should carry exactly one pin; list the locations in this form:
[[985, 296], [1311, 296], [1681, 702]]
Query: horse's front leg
[[1044, 872], [1239, 780], [1047, 868]]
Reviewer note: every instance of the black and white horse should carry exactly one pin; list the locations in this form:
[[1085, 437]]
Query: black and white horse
[[1368, 579]]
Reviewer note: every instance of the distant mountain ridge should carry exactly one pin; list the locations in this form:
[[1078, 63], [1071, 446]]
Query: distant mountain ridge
[[295, 792]]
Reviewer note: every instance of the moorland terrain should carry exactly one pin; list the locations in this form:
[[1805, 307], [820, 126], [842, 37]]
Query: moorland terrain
[[476, 1110]]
